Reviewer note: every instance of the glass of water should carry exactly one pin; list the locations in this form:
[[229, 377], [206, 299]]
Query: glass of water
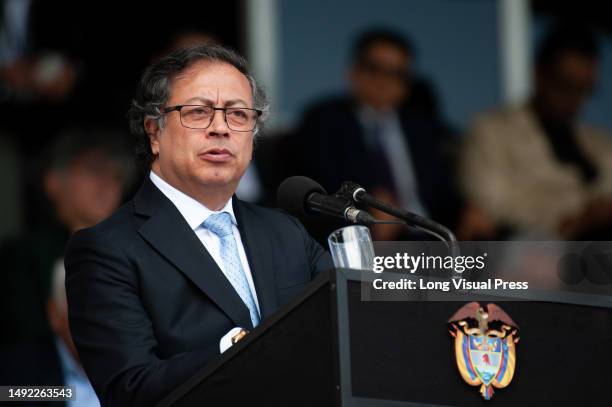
[[351, 248]]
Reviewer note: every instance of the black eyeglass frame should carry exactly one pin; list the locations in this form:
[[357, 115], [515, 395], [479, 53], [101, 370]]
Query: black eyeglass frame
[[224, 109]]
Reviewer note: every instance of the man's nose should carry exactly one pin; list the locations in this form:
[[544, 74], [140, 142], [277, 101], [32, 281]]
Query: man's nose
[[218, 126]]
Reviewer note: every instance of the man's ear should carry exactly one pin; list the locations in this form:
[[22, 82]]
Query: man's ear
[[153, 130]]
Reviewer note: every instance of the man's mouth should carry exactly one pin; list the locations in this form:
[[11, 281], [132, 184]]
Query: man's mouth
[[216, 155]]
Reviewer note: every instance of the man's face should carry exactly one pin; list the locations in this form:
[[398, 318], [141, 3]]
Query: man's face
[[211, 158], [87, 191], [381, 79], [563, 88]]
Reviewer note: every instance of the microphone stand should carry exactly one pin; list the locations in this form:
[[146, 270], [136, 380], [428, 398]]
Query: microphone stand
[[428, 226]]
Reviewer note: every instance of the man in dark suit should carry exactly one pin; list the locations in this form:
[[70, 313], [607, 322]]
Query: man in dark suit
[[157, 290], [384, 134]]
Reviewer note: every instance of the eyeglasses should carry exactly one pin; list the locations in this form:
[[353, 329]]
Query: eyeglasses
[[375, 68], [201, 116]]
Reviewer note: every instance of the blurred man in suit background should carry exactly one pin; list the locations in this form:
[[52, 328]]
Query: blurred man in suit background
[[84, 177], [385, 134]]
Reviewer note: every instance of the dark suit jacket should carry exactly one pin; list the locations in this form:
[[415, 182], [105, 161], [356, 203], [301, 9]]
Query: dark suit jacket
[[148, 304], [32, 364], [331, 148]]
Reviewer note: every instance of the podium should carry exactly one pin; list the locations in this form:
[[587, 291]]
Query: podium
[[330, 348]]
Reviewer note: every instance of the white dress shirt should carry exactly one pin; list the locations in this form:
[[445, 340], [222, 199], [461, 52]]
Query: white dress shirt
[[195, 214]]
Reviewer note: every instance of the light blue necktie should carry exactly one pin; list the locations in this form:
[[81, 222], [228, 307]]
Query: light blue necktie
[[221, 225]]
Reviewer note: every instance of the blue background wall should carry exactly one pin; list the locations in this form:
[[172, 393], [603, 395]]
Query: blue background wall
[[456, 41]]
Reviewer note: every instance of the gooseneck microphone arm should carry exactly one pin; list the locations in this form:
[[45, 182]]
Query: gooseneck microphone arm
[[338, 206], [358, 194]]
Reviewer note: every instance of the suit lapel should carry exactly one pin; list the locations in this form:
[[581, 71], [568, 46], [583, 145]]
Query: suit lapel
[[259, 251], [168, 232]]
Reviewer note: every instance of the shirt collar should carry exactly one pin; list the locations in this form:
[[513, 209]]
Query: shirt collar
[[376, 125], [368, 115], [193, 211]]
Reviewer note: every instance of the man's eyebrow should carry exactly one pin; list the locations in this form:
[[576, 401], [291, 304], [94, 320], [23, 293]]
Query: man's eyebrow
[[201, 100], [210, 102], [233, 102]]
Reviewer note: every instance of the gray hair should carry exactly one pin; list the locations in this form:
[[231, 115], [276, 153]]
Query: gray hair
[[153, 90]]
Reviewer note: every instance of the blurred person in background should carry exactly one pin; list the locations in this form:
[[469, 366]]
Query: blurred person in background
[[83, 181], [53, 361], [39, 69], [382, 135], [534, 169], [31, 67]]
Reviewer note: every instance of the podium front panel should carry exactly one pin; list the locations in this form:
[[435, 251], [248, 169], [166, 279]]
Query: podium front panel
[[287, 360], [401, 353]]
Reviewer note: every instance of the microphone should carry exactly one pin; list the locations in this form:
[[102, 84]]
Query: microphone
[[303, 197], [358, 194]]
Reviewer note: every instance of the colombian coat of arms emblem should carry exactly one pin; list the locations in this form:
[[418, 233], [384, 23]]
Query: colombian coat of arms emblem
[[485, 339]]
